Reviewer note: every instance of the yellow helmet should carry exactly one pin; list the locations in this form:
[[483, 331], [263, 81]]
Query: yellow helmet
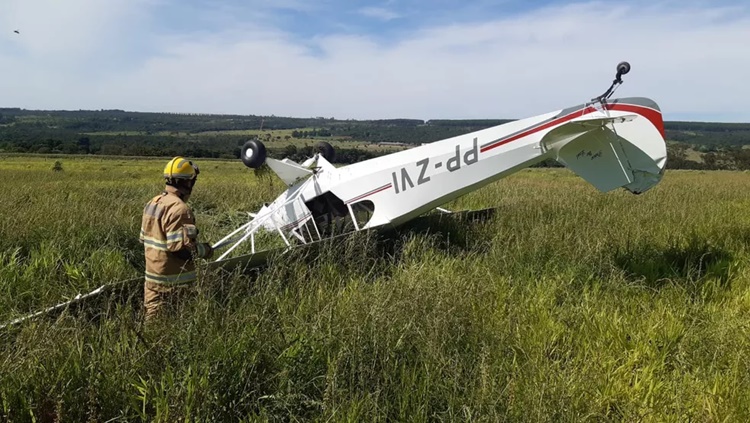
[[180, 168]]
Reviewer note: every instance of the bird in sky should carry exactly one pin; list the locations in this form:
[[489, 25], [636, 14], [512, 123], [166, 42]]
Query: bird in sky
[[16, 31]]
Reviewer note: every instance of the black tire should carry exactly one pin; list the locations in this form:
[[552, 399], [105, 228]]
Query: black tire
[[253, 154], [623, 68], [326, 150]]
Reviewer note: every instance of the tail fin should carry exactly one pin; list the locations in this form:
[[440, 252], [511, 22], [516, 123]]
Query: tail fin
[[613, 150]]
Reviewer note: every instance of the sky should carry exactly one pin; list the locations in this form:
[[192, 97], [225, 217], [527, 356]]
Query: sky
[[374, 59]]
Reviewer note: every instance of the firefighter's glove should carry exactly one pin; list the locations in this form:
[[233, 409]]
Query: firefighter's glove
[[204, 250]]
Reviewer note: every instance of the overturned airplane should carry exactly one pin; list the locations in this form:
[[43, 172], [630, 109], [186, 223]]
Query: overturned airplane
[[610, 143]]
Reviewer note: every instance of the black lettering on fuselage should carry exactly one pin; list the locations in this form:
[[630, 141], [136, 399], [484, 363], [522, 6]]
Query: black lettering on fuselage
[[422, 179], [474, 152], [453, 163], [405, 179]]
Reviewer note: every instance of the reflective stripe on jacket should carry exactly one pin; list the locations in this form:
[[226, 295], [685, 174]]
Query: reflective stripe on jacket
[[168, 235]]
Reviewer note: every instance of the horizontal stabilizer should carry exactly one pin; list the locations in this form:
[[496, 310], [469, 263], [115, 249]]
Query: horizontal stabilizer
[[594, 121], [596, 156], [610, 152], [288, 171]]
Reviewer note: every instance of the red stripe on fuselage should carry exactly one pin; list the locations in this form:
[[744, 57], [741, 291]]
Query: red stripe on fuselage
[[536, 129], [289, 225], [652, 115], [365, 195]]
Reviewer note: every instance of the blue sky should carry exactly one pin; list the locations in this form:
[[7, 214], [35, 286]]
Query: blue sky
[[373, 59]]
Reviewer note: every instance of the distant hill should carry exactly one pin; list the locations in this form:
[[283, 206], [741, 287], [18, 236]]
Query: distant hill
[[709, 134], [204, 135]]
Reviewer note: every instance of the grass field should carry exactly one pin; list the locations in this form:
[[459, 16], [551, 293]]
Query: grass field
[[245, 132], [568, 305]]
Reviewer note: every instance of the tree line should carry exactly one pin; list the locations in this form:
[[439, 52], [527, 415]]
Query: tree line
[[118, 132]]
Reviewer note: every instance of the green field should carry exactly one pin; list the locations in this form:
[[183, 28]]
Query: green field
[[273, 138], [568, 305]]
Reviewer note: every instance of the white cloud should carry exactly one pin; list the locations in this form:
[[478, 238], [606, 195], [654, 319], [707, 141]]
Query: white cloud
[[687, 59], [381, 13]]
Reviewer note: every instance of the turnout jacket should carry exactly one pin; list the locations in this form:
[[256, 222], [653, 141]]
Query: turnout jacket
[[169, 237]]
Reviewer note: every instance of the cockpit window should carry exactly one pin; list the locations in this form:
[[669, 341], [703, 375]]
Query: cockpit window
[[332, 216], [363, 211], [330, 213]]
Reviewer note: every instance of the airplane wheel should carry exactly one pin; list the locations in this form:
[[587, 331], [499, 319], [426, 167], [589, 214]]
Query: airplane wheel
[[623, 68], [326, 150], [253, 154]]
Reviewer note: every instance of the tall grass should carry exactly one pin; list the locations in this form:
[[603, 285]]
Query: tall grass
[[568, 305]]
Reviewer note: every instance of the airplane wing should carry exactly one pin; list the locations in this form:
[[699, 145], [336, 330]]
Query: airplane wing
[[288, 171]]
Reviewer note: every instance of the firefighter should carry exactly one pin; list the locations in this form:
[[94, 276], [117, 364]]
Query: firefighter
[[170, 238]]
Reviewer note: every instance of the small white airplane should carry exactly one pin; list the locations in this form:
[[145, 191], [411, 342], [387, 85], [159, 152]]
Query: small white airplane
[[610, 144]]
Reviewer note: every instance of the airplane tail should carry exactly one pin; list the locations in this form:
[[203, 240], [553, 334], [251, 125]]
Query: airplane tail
[[620, 146]]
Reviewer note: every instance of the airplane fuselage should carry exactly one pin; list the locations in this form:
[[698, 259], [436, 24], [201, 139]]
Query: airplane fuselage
[[405, 184]]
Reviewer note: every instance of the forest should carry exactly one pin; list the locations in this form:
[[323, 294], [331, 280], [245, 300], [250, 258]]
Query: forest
[[692, 145]]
